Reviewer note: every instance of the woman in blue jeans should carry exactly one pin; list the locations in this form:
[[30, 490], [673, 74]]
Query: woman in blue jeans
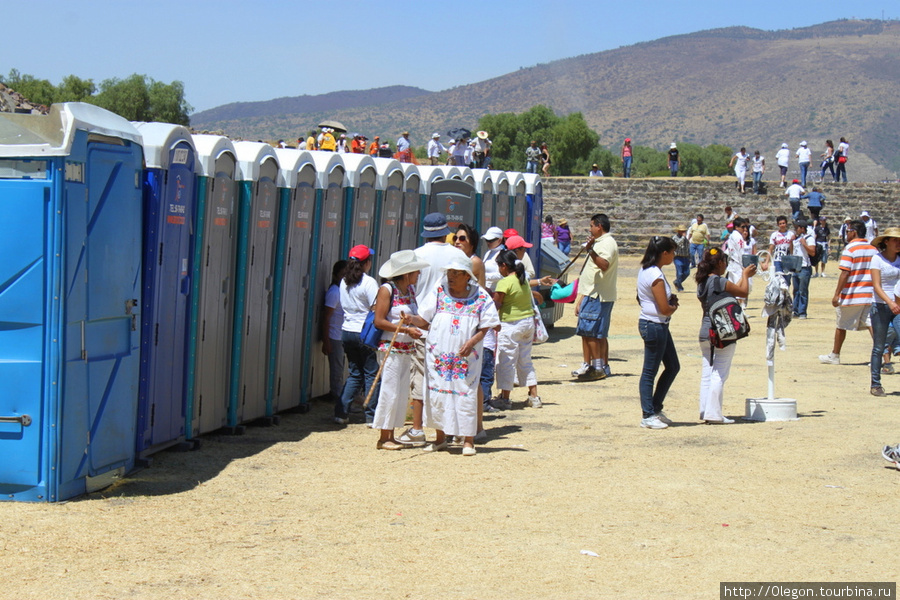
[[658, 303], [885, 310]]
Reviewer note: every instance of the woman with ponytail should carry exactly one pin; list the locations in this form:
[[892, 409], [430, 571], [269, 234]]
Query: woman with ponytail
[[513, 299], [658, 303]]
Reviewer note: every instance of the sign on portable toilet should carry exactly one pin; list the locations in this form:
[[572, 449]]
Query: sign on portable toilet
[[389, 186], [293, 276], [502, 201], [454, 196], [327, 249], [359, 187], [169, 200], [70, 300], [412, 207], [258, 200], [212, 283], [534, 213], [484, 194]]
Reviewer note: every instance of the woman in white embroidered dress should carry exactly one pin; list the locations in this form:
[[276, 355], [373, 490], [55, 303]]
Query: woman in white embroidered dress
[[459, 312]]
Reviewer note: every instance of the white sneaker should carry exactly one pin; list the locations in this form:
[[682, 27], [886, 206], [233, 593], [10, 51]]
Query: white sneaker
[[584, 368], [830, 359], [653, 423], [662, 417], [535, 401]]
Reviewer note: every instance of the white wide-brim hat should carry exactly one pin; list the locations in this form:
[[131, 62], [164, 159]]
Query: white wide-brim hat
[[460, 263], [401, 263]]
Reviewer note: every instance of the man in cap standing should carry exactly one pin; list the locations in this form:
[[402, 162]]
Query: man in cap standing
[[804, 156], [532, 157], [435, 148]]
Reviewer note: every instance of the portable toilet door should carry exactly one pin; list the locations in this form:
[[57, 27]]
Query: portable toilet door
[[327, 249], [412, 211], [484, 193], [293, 275], [502, 200], [455, 199], [534, 199], [389, 187], [428, 176], [169, 200], [212, 286], [70, 301], [360, 176], [255, 274], [519, 204]]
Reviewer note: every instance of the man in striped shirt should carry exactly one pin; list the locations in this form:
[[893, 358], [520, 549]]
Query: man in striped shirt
[[853, 295]]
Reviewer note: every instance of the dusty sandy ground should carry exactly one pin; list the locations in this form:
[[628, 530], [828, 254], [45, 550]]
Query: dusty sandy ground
[[310, 510]]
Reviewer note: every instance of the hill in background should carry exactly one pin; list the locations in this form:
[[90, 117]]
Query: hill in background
[[735, 86]]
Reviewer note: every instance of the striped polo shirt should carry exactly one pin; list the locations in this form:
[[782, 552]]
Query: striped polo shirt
[[857, 259]]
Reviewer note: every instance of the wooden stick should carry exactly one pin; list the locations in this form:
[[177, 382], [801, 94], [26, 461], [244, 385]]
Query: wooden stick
[[572, 262], [381, 367]]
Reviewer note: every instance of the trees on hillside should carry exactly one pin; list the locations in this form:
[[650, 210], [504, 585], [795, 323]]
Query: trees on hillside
[[136, 98]]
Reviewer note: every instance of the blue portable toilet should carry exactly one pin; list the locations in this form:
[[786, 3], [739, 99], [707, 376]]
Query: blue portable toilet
[[169, 200], [502, 211], [518, 203], [427, 176], [534, 203], [360, 176], [212, 286], [70, 300], [258, 200], [293, 278], [484, 192], [328, 245], [412, 207], [389, 187]]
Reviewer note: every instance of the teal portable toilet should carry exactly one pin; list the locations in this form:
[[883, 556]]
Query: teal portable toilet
[[427, 176], [212, 284], [360, 176], [70, 301], [484, 192], [412, 207], [258, 201], [502, 212], [327, 249], [169, 202], [389, 187], [518, 202], [293, 278]]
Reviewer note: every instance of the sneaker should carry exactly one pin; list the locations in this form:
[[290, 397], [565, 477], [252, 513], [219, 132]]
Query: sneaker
[[877, 390], [534, 402], [653, 423], [724, 421], [662, 417], [830, 359], [584, 368], [888, 369], [468, 451], [435, 447], [410, 437], [592, 374], [500, 403], [606, 370], [489, 409], [891, 453], [481, 437], [341, 420]]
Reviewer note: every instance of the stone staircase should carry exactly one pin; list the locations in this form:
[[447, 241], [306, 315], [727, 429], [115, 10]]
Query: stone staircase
[[640, 208]]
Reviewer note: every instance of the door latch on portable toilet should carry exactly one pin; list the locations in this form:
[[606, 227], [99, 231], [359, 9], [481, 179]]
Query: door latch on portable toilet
[[129, 310]]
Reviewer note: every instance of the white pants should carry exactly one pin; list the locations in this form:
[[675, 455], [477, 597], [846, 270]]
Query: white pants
[[394, 396], [514, 354], [712, 381]]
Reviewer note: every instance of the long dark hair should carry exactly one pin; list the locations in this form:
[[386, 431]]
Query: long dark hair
[[655, 247], [512, 262], [355, 271], [711, 260], [472, 234]]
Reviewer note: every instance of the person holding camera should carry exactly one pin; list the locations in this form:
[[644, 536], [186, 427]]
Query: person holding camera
[[804, 246], [658, 304]]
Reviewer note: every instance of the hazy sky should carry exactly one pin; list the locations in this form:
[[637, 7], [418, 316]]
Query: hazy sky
[[226, 51]]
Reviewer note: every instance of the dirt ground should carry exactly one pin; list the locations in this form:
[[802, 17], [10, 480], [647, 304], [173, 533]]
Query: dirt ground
[[308, 509]]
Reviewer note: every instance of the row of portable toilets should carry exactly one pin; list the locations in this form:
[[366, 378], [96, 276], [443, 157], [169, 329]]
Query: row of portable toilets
[[159, 285]]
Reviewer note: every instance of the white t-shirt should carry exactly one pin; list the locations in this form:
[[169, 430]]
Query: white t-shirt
[[357, 301], [740, 164], [803, 154], [843, 148], [896, 291], [871, 225], [782, 243], [333, 300], [800, 251], [438, 255], [890, 275], [758, 162], [649, 310], [783, 157]]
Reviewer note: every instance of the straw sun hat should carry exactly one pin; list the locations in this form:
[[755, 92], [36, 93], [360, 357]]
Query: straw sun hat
[[401, 263], [890, 232]]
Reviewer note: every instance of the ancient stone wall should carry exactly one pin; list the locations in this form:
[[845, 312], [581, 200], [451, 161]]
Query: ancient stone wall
[[640, 208]]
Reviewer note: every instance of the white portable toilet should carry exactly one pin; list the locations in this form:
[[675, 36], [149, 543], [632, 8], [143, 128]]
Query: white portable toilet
[[413, 207], [389, 202], [502, 203]]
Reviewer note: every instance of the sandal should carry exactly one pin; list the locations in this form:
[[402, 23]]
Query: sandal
[[389, 445]]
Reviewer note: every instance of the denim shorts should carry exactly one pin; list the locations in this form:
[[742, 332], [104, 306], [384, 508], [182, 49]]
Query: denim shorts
[[593, 318]]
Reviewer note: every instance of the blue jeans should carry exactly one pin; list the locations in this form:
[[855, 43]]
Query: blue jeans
[[841, 172], [801, 290], [682, 271], [531, 166], [795, 210], [757, 177], [487, 373], [564, 247], [626, 165], [882, 318], [363, 366], [697, 251], [658, 349], [804, 167], [673, 168]]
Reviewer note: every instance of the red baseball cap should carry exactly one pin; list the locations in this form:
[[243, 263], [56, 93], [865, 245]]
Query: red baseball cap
[[516, 241], [510, 232], [361, 252]]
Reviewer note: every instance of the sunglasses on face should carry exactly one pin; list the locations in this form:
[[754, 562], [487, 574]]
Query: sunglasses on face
[[459, 238]]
